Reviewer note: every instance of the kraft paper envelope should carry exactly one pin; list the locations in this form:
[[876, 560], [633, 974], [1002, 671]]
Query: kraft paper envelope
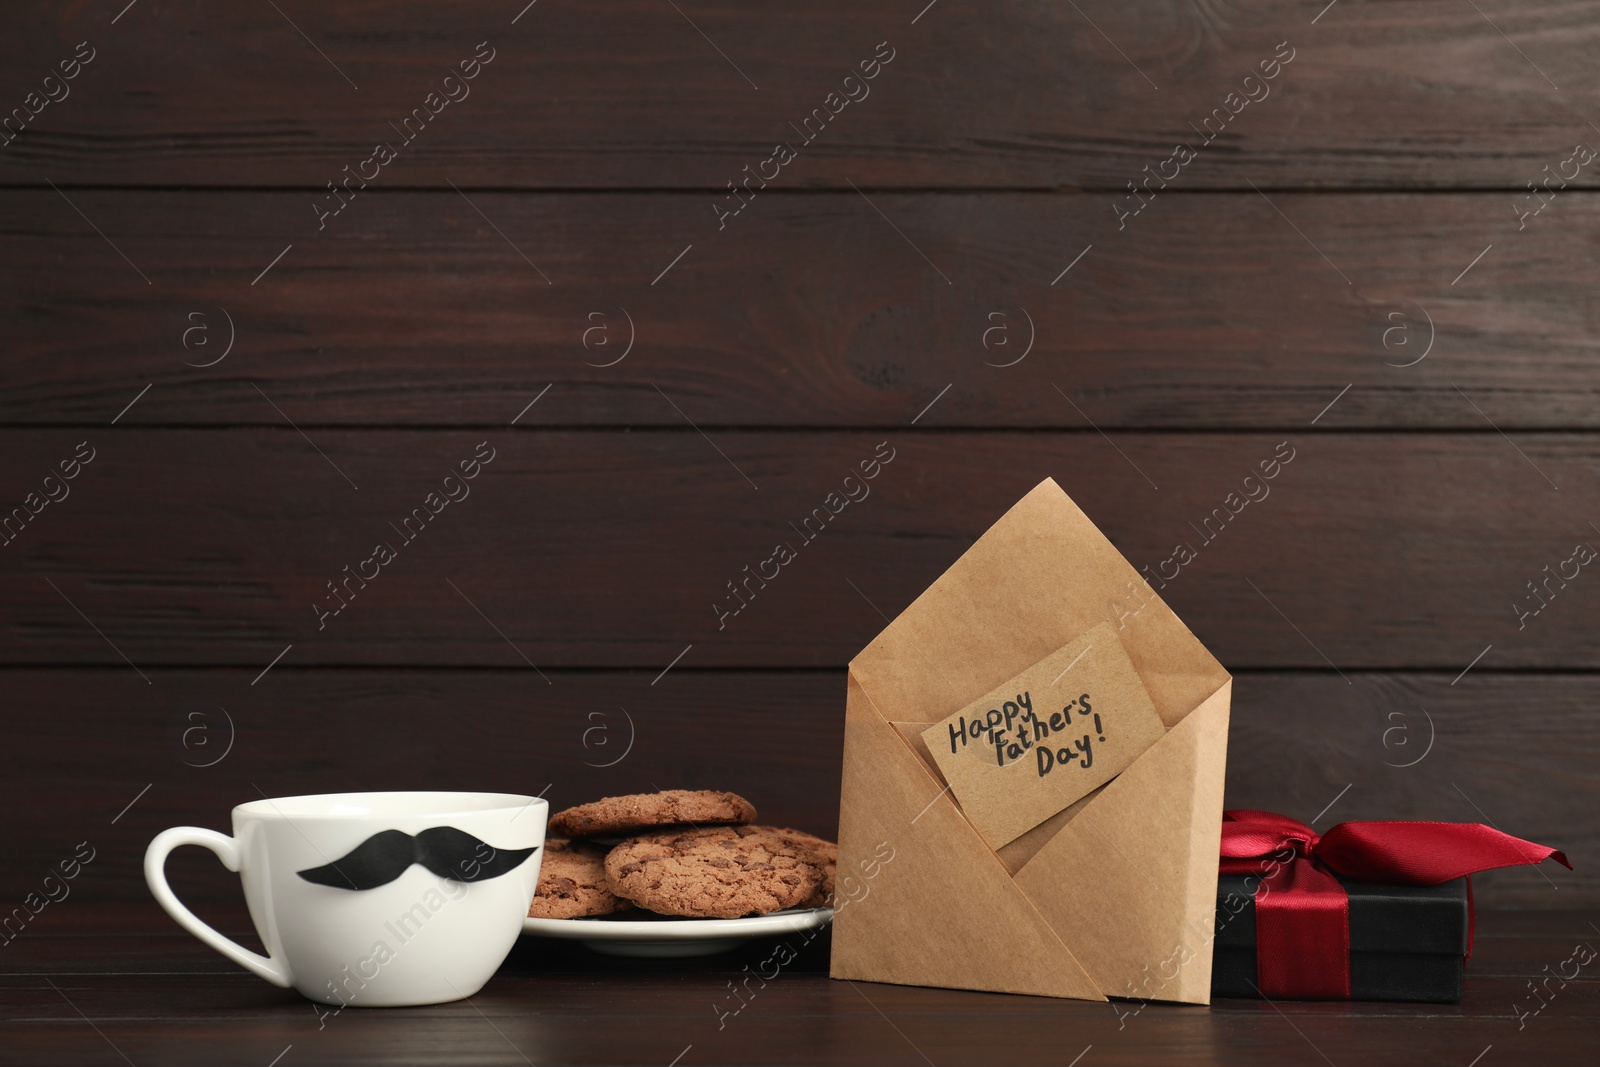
[[1116, 895]]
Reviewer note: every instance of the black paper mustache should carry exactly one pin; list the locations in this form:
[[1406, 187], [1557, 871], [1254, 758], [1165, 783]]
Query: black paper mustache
[[444, 850]]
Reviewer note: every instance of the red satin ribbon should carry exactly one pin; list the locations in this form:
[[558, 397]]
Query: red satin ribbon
[[1303, 913]]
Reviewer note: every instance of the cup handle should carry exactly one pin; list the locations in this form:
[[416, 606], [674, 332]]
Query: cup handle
[[227, 850]]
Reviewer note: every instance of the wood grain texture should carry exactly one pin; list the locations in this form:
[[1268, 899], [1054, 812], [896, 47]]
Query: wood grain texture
[[1205, 312], [618, 550], [1516, 750], [1283, 287], [1044, 95], [552, 1003]]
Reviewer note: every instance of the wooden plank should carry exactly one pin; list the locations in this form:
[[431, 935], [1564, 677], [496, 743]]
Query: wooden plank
[[1203, 312], [94, 740], [621, 550], [627, 1012], [645, 95], [1414, 746]]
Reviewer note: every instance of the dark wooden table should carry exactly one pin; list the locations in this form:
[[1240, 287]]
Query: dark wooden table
[[159, 997]]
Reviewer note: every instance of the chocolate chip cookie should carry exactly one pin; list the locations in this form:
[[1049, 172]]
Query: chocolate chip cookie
[[572, 882], [719, 872], [615, 816], [826, 852]]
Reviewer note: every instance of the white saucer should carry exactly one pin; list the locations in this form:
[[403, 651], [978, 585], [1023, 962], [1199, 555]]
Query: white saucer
[[664, 936]]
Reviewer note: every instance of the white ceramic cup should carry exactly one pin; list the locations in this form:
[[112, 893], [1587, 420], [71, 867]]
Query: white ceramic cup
[[355, 908]]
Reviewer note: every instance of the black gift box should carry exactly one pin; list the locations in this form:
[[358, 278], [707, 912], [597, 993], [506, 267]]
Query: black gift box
[[1406, 942]]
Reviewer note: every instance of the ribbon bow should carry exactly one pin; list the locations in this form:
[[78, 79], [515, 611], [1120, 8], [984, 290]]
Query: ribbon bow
[[1303, 913]]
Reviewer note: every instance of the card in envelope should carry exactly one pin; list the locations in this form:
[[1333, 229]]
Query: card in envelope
[[1041, 655]]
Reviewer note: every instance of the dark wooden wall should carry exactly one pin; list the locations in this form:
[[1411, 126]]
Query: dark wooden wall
[[1352, 267]]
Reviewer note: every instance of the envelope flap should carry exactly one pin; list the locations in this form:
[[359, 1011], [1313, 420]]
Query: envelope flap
[[1040, 577], [1131, 881], [923, 901]]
